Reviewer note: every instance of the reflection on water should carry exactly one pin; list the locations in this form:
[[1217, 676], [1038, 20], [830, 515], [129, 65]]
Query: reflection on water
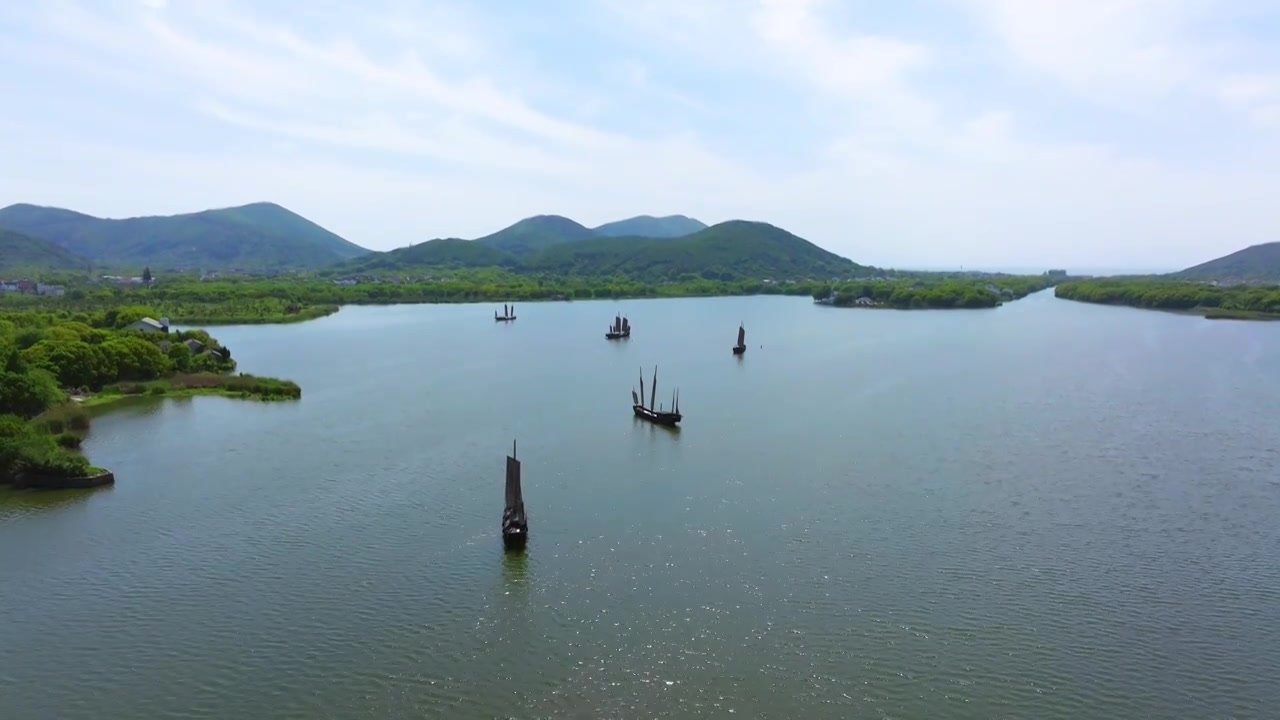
[[17, 503], [143, 405], [515, 569], [656, 428]]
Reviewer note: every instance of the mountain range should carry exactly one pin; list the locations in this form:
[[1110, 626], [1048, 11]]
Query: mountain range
[[265, 236], [559, 246]]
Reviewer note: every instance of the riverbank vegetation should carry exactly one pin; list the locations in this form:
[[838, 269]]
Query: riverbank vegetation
[[1238, 302], [55, 364], [190, 300], [935, 291]]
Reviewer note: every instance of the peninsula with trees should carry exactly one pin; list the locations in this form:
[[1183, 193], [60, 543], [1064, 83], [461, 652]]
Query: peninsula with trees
[[1244, 285], [55, 365]]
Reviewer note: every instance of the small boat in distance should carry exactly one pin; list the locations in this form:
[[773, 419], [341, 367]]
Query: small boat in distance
[[507, 314], [741, 347], [621, 328], [651, 413], [515, 526]]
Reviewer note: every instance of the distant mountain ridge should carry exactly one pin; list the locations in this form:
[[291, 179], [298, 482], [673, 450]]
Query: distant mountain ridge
[[266, 236], [255, 236], [552, 244], [539, 232], [649, 226], [536, 233], [1256, 264]]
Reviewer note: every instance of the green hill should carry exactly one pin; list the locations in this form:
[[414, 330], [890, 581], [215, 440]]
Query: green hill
[[535, 233], [651, 227], [733, 249], [438, 253], [1254, 264], [729, 250], [23, 252], [256, 236]]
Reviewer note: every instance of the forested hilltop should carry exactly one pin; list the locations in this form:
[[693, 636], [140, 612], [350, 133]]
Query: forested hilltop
[[264, 238], [558, 246], [259, 236], [1257, 264]]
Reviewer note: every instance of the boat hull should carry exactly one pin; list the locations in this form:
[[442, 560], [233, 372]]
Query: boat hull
[[514, 539], [515, 529], [739, 349], [656, 417], [504, 319], [616, 336]]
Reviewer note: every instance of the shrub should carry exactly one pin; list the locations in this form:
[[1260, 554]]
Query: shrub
[[63, 418], [70, 441]]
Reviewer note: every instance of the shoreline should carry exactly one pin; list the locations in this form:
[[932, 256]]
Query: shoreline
[[1207, 313], [292, 319]]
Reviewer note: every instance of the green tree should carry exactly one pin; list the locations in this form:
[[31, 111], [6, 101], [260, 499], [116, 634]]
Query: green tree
[[73, 363], [180, 356], [134, 358], [28, 394]]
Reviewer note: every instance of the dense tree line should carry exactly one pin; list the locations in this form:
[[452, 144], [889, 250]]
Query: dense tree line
[[188, 299], [939, 291], [1166, 294]]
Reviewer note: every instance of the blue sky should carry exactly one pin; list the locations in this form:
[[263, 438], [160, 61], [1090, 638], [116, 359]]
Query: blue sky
[[1076, 133]]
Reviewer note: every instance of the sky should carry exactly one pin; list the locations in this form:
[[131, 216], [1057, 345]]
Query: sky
[[1030, 133]]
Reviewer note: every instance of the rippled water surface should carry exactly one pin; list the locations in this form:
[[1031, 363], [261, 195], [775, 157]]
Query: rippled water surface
[[1049, 510]]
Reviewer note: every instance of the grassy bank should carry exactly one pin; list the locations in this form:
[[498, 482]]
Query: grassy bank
[[186, 385], [1221, 314]]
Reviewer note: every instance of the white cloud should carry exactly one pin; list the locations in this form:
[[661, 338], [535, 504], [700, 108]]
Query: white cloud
[[1109, 50], [400, 121]]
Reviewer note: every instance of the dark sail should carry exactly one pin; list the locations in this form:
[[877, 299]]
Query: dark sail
[[634, 400], [515, 527], [742, 336], [515, 498]]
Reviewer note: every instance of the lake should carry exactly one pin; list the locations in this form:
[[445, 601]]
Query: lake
[[1046, 510]]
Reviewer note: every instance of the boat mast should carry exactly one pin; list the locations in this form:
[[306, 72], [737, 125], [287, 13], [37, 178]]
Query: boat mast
[[641, 403], [653, 391]]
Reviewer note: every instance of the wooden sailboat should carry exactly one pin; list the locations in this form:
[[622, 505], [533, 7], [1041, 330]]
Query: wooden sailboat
[[507, 314], [741, 347], [621, 328], [651, 413], [515, 526]]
